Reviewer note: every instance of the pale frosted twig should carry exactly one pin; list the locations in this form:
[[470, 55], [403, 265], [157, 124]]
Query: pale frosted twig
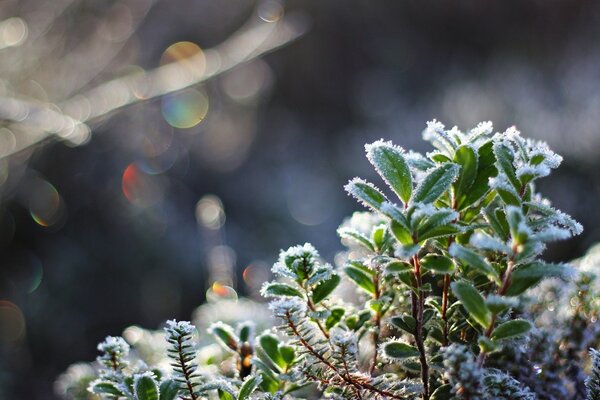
[[250, 42]]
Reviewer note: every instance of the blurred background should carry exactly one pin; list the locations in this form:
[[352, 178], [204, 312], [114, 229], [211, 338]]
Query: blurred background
[[154, 153]]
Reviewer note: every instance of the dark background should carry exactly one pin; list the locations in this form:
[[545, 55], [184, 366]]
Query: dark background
[[278, 161]]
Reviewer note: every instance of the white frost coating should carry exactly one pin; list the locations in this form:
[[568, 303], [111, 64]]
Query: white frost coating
[[179, 328], [369, 147], [553, 233], [362, 222], [344, 339], [484, 241], [219, 325], [323, 273], [481, 130], [554, 216], [353, 190], [439, 138], [282, 306], [501, 182], [114, 344], [494, 300]]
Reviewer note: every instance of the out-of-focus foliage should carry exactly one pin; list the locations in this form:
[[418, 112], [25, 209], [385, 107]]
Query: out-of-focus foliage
[[442, 294]]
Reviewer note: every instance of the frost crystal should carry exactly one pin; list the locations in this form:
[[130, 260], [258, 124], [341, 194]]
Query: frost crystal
[[482, 129], [283, 306], [296, 262], [593, 381], [463, 373]]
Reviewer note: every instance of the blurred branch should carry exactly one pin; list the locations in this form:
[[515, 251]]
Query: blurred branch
[[70, 119]]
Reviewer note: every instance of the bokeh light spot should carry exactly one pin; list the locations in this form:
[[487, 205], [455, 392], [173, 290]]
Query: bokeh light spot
[[270, 11], [139, 188], [12, 322], [45, 203], [186, 109], [180, 51], [219, 291], [209, 212], [13, 32]]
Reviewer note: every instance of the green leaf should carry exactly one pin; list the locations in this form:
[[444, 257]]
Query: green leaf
[[399, 350], [480, 186], [335, 317], [389, 162], [249, 386], [105, 387], [443, 392], [145, 388], [366, 193], [363, 280], [435, 183], [398, 267], [440, 231], [355, 236], [274, 289], [466, 157], [405, 322], [245, 331], [169, 389], [504, 160], [437, 263], [325, 288], [473, 302], [529, 275], [288, 353], [511, 329], [225, 335], [401, 232], [270, 344], [475, 261]]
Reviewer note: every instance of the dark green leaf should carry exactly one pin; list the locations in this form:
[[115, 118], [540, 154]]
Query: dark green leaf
[[466, 157], [399, 350], [145, 388], [287, 353], [280, 289], [270, 344], [437, 263], [511, 329], [169, 389], [105, 387], [475, 261], [401, 232], [335, 317], [325, 288], [363, 280], [480, 186], [473, 302]]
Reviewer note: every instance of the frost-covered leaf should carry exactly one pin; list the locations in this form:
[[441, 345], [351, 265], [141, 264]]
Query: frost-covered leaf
[[356, 237], [361, 278], [274, 289], [145, 387], [505, 162], [404, 322], [486, 169], [473, 302], [249, 386], [474, 260], [467, 158], [437, 263], [401, 233], [105, 387], [483, 241], [511, 329], [397, 350], [366, 193], [435, 183], [325, 288], [169, 389], [438, 137], [225, 335], [389, 162], [270, 344]]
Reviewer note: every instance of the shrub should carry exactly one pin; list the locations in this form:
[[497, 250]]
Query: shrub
[[442, 294]]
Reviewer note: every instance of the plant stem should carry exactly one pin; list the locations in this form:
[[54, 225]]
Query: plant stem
[[186, 373], [418, 307], [376, 322]]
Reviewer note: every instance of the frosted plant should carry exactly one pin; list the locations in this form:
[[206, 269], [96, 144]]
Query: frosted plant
[[593, 381], [450, 295]]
